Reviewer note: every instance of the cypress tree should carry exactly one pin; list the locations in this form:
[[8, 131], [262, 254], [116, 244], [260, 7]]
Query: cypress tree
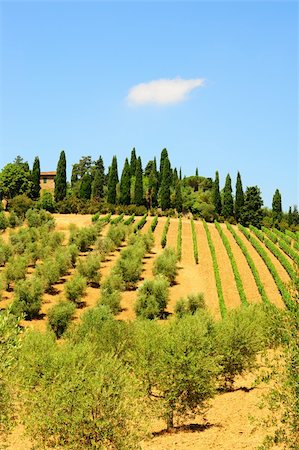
[[239, 202], [112, 182], [125, 184], [133, 162], [180, 175], [74, 176], [216, 195], [178, 197], [138, 188], [196, 172], [36, 178], [85, 186], [276, 206], [152, 196], [228, 201], [252, 210], [175, 177], [99, 179], [165, 185], [163, 157], [60, 179]]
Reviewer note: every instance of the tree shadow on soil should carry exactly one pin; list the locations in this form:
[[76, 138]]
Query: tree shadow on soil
[[191, 427]]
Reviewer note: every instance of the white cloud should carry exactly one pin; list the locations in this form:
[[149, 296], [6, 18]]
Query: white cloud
[[163, 92]]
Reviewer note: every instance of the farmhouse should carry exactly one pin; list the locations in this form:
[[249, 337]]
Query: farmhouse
[[47, 180]]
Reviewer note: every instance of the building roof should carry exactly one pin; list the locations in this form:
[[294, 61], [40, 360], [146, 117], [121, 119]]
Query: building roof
[[47, 174]]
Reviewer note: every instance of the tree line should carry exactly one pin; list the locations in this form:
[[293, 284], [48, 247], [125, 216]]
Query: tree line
[[138, 190]]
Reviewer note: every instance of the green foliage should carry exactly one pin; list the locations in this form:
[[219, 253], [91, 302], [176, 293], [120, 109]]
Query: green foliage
[[104, 245], [83, 238], [234, 265], [125, 184], [111, 300], [190, 305], [60, 178], [276, 206], [166, 265], [112, 182], [167, 360], [129, 220], [13, 220], [3, 221], [129, 266], [15, 269], [20, 204], [239, 201], [164, 233], [228, 202], [141, 223], [178, 197], [47, 202], [89, 267], [222, 305], [36, 218], [85, 186], [239, 337], [97, 190], [154, 223], [75, 288], [152, 298], [82, 400], [194, 240], [117, 219], [35, 190], [216, 195], [117, 234], [9, 348], [28, 298], [165, 185], [251, 264], [133, 161], [138, 187], [59, 317], [252, 210], [49, 272], [15, 179]]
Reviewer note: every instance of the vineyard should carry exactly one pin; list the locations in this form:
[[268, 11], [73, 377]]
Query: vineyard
[[231, 266]]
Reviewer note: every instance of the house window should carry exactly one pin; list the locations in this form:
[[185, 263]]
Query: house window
[[45, 180]]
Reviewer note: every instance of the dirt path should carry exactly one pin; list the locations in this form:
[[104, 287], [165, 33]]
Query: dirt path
[[247, 278], [230, 292], [266, 277]]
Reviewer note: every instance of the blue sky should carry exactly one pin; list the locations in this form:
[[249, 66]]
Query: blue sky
[[228, 102]]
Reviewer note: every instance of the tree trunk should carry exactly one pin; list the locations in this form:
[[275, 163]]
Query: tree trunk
[[170, 420]]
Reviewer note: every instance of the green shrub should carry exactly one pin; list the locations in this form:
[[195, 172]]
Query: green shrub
[[3, 221], [114, 282], [89, 267], [20, 204], [5, 252], [28, 298], [83, 238], [117, 234], [59, 317], [166, 265], [15, 269], [13, 220], [82, 400], [239, 337], [104, 245], [49, 272], [129, 269], [152, 298], [36, 218], [64, 261], [111, 299], [75, 288], [190, 305]]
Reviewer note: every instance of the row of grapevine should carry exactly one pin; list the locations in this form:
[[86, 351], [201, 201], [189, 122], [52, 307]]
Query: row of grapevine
[[251, 264], [164, 234], [117, 219], [294, 236], [154, 223], [179, 240], [283, 236], [284, 244], [222, 305], [276, 252], [194, 240], [234, 265], [261, 251], [140, 224], [129, 220]]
